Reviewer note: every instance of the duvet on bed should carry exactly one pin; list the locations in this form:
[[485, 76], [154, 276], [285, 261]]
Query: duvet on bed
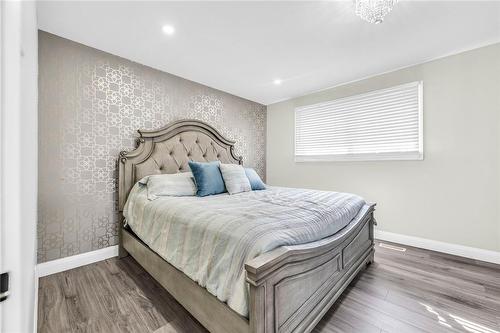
[[210, 238]]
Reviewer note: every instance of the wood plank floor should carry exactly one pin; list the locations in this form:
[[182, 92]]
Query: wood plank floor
[[412, 291]]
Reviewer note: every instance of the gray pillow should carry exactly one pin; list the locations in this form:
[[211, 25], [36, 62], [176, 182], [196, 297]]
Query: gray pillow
[[235, 178], [175, 184]]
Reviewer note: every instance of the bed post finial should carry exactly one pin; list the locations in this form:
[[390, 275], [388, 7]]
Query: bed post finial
[[123, 156], [233, 154]]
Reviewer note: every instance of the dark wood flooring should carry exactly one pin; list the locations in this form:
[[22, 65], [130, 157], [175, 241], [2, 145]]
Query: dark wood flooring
[[412, 291]]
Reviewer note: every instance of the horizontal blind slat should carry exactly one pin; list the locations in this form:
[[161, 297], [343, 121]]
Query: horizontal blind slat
[[356, 112], [394, 148], [369, 123], [357, 106], [359, 98], [359, 143]]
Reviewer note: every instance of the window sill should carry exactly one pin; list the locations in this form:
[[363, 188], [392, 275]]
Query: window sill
[[413, 156]]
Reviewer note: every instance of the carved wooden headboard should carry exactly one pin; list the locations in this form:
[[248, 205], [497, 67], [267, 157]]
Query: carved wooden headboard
[[168, 150]]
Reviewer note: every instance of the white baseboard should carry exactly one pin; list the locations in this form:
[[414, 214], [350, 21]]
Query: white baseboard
[[428, 244], [63, 264]]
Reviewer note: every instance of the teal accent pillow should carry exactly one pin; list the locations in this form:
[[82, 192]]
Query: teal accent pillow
[[207, 177], [255, 181]]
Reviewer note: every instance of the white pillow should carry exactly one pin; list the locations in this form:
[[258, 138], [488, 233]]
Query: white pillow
[[235, 178], [175, 184]]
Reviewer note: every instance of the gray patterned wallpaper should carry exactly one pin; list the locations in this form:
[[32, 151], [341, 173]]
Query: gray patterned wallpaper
[[90, 106]]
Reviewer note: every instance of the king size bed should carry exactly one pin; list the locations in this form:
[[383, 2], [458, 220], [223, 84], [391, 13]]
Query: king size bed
[[264, 261]]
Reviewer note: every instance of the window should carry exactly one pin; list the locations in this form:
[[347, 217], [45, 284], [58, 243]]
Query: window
[[379, 125]]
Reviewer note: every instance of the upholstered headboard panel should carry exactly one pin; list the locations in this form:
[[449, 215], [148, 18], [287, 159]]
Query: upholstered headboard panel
[[168, 150]]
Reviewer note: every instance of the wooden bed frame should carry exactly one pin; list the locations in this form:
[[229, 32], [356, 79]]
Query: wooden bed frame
[[290, 288]]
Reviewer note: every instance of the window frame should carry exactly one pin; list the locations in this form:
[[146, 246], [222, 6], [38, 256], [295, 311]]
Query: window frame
[[387, 156]]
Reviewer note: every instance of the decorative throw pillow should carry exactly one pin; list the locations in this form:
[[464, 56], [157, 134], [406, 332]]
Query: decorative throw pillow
[[207, 177], [235, 178], [175, 184], [254, 179]]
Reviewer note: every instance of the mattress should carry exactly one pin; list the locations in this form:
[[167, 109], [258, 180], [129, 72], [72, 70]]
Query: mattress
[[210, 238]]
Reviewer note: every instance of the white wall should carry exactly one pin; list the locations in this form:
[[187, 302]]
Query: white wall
[[453, 195], [18, 161]]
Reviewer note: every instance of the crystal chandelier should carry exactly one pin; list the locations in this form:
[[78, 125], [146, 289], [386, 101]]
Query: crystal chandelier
[[374, 11]]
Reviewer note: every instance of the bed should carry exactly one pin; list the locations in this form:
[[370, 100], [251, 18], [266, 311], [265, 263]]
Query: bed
[[285, 287]]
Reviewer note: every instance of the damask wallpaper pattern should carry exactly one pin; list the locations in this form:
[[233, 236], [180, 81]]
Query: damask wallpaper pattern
[[90, 106]]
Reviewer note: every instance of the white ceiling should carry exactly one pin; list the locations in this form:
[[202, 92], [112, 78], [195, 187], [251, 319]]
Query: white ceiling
[[241, 47]]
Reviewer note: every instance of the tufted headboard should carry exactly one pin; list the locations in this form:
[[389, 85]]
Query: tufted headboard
[[168, 150]]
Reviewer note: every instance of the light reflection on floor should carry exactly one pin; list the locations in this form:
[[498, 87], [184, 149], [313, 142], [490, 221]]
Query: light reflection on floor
[[441, 320], [466, 324]]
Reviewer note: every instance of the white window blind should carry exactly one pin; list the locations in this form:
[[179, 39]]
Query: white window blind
[[379, 125]]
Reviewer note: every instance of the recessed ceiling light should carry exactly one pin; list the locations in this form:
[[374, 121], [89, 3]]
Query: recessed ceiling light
[[168, 29], [277, 82]]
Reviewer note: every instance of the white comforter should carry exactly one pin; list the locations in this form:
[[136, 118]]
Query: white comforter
[[210, 238]]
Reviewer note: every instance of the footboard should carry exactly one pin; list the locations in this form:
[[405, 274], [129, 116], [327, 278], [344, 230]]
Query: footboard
[[292, 287]]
